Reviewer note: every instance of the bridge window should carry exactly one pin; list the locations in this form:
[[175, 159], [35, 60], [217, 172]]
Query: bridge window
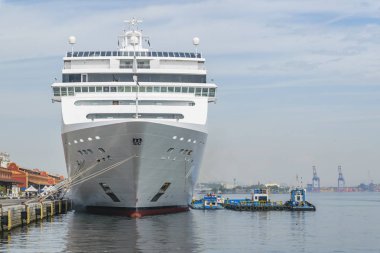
[[63, 91], [56, 91], [70, 91], [212, 92], [204, 92]]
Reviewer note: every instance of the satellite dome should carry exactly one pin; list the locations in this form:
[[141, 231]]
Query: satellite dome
[[72, 40], [196, 41]]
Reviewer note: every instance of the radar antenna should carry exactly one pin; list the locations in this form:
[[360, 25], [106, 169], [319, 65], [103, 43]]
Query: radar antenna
[[133, 24]]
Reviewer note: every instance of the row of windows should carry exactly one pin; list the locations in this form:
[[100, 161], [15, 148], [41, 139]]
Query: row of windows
[[70, 91], [169, 78], [131, 54], [133, 102], [93, 116]]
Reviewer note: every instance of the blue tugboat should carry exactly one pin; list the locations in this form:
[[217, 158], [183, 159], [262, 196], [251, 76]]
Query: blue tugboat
[[208, 202], [260, 202], [298, 201]]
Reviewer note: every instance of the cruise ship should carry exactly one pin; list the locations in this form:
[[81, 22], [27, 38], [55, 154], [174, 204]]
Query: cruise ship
[[134, 125]]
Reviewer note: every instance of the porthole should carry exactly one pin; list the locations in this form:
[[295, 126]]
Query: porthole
[[174, 137], [75, 141], [81, 140], [194, 141], [189, 140], [69, 143], [89, 138], [181, 139], [97, 137], [101, 150]]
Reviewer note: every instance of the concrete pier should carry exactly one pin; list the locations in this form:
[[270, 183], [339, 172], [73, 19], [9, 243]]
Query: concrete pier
[[22, 214]]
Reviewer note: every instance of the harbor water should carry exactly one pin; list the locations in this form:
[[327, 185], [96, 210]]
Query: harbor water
[[343, 222]]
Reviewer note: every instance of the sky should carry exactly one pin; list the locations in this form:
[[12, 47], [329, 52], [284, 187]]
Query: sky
[[298, 81]]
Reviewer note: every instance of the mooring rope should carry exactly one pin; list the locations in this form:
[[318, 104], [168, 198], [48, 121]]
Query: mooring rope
[[75, 180]]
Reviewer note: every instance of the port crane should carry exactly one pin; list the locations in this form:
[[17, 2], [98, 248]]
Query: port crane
[[316, 181], [341, 181]]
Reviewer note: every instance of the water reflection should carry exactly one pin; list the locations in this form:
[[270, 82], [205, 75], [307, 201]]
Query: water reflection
[[97, 233]]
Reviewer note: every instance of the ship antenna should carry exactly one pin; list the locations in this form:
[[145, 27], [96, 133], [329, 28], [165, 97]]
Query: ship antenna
[[72, 41], [196, 43]]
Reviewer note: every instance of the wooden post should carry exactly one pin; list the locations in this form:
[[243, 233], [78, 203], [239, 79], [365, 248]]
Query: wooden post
[[52, 209]]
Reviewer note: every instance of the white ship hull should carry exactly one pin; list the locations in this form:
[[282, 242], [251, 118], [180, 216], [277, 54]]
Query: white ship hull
[[133, 167]]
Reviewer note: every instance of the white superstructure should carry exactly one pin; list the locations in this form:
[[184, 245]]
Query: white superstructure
[[134, 125]]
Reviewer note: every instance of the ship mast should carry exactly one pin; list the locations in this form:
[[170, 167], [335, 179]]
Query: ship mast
[[134, 40]]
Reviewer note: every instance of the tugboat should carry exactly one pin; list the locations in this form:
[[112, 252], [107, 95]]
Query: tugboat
[[298, 201], [260, 202], [208, 202]]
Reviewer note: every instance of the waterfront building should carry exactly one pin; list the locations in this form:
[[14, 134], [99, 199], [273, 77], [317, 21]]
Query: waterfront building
[[14, 179]]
